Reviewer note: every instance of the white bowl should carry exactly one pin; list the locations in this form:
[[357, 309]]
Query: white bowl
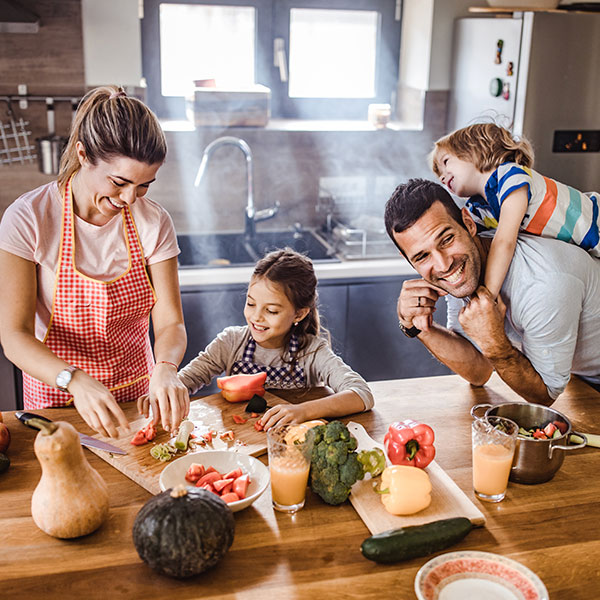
[[223, 461]]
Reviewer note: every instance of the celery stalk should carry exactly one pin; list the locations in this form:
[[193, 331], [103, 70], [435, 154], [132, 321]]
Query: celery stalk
[[593, 439]]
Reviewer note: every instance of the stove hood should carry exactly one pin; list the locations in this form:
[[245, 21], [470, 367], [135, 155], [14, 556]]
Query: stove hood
[[15, 18]]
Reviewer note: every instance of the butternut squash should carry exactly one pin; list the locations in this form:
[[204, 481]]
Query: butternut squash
[[71, 498]]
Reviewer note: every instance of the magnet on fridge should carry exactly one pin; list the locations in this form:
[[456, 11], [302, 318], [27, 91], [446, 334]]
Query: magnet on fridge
[[499, 46], [506, 90], [510, 69], [495, 86]]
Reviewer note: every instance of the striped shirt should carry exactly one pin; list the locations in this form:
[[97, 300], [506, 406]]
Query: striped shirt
[[555, 210]]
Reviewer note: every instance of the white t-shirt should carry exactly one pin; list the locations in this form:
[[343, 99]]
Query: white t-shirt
[[31, 229], [552, 295]]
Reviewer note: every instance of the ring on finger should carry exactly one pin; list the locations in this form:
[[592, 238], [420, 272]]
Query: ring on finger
[[419, 301]]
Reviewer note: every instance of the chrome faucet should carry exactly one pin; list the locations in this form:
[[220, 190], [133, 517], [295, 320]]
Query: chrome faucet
[[252, 216]]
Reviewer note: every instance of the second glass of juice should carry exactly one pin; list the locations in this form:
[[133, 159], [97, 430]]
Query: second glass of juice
[[494, 440], [289, 465]]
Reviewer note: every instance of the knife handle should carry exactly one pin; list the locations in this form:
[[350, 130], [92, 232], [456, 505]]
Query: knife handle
[[25, 416]]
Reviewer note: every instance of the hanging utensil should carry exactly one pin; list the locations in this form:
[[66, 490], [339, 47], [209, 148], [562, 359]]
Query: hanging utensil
[[50, 146]]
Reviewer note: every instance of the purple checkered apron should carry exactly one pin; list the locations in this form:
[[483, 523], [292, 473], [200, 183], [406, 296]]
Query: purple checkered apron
[[277, 377]]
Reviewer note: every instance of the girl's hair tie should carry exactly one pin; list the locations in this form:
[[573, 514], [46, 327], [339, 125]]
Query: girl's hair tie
[[118, 94]]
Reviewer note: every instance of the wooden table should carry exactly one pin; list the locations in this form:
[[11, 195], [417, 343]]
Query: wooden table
[[552, 528]]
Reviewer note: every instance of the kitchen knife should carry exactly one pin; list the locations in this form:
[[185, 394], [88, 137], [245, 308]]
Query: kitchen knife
[[85, 440]]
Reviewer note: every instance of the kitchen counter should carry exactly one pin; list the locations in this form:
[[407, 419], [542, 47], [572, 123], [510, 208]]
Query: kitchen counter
[[346, 269], [551, 528]]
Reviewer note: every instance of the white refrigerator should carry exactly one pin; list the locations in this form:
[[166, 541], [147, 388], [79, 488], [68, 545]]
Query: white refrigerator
[[537, 73]]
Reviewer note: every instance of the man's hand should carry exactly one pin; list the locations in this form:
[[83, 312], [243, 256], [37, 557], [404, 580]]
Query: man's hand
[[483, 321], [416, 303]]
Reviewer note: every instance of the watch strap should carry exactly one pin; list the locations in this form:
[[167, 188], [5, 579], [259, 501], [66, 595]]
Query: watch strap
[[410, 332]]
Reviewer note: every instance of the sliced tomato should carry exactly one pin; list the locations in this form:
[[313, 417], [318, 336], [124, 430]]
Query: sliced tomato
[[210, 469], [239, 419], [195, 471], [219, 484], [149, 432], [550, 429], [242, 381], [209, 478], [240, 485], [139, 439], [230, 497], [228, 488], [227, 435], [561, 426], [208, 488], [234, 474], [538, 434], [207, 437]]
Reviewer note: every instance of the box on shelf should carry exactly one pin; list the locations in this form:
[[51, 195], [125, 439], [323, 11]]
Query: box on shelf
[[212, 106]]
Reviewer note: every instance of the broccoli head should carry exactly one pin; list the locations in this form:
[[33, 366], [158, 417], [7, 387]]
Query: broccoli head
[[334, 465]]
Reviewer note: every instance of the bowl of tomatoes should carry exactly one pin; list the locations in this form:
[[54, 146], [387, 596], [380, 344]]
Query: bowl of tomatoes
[[238, 479]]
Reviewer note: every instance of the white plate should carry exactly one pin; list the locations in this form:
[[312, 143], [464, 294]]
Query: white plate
[[223, 461], [481, 575]]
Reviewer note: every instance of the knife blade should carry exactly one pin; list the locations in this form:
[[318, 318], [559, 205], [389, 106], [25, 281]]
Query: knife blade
[[85, 440]]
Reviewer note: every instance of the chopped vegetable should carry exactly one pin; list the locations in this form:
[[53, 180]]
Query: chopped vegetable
[[139, 439], [240, 485], [227, 435], [239, 419], [230, 497], [550, 431], [194, 472], [405, 490], [207, 437], [410, 443], [163, 452], [183, 436], [592, 439], [231, 487], [373, 461], [256, 405]]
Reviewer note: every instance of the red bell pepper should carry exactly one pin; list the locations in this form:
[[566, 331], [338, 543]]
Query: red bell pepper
[[239, 388], [410, 443]]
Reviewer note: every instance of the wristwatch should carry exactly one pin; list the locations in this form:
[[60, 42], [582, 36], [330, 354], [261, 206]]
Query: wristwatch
[[410, 332], [63, 379]]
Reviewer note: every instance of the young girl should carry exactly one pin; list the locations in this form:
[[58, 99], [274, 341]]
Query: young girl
[[282, 338], [486, 164]]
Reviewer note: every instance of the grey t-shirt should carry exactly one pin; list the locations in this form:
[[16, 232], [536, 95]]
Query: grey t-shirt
[[552, 294], [321, 365]]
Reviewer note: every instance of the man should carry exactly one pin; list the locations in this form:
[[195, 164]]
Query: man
[[545, 323]]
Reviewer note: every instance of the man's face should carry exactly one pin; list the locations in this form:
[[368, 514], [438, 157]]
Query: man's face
[[442, 251]]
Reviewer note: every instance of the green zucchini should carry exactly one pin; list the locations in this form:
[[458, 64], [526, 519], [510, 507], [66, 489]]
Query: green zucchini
[[405, 543]]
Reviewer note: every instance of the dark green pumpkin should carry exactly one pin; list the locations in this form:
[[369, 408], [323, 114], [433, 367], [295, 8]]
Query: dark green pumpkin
[[183, 532]]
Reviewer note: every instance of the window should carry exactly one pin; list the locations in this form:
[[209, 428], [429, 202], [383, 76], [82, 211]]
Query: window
[[320, 58]]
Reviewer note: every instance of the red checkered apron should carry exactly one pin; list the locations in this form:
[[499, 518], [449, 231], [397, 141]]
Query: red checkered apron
[[99, 326]]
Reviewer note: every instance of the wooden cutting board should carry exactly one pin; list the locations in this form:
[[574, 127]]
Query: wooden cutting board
[[207, 413], [447, 499]]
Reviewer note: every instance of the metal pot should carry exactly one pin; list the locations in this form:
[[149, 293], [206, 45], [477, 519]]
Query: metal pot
[[535, 461], [49, 151]]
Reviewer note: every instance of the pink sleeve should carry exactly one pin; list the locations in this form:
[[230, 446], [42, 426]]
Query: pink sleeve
[[165, 243], [18, 231]]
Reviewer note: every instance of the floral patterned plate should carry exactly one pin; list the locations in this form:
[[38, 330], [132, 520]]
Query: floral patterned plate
[[481, 575]]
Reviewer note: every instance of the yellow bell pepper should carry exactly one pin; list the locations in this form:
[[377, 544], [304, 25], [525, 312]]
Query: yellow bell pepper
[[405, 490]]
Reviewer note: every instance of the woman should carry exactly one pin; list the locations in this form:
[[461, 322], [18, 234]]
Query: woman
[[85, 261]]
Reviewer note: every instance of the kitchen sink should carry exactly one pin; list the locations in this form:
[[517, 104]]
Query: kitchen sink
[[234, 249]]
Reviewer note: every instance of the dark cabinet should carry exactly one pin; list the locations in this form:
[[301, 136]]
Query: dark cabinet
[[360, 316], [375, 346]]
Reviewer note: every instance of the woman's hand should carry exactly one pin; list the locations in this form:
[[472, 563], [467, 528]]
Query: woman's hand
[[97, 405], [168, 398], [283, 414]]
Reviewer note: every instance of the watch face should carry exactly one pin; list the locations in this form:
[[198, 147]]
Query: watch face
[[63, 379]]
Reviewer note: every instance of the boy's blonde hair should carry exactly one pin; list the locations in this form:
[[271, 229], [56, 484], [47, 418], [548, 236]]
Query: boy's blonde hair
[[485, 145]]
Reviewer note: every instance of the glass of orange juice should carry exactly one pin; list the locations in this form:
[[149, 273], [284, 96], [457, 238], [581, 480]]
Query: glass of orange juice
[[494, 440], [289, 464]]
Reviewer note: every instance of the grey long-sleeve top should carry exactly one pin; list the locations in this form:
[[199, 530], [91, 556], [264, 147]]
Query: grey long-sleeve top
[[321, 365]]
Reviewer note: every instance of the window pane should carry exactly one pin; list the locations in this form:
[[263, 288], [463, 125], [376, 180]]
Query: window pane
[[332, 53], [206, 42]]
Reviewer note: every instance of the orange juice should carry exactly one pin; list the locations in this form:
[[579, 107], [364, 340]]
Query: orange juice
[[491, 468], [289, 478]]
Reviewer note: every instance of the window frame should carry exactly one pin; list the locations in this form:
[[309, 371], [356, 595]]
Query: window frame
[[273, 21]]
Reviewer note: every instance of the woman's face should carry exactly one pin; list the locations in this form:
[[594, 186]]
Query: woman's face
[[269, 313], [100, 191]]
